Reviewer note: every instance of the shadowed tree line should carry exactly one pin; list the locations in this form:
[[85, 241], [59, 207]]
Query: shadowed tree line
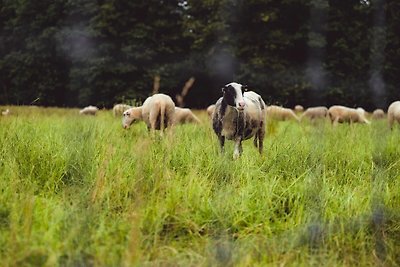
[[309, 52]]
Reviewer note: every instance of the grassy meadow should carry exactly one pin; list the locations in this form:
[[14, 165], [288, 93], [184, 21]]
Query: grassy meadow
[[81, 191]]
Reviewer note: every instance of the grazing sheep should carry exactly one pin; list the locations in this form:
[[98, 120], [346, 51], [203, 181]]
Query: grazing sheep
[[340, 114], [315, 113], [184, 115], [394, 113], [210, 110], [280, 113], [298, 108], [378, 114], [119, 109], [5, 112], [89, 110], [238, 117], [157, 112]]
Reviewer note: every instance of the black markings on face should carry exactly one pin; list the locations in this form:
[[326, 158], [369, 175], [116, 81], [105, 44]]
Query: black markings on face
[[229, 96]]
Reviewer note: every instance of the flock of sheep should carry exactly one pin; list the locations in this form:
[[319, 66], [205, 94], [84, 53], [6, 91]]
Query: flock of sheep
[[237, 115]]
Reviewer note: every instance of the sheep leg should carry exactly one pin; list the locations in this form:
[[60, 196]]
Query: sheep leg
[[335, 122], [238, 148], [260, 136], [153, 119], [221, 142]]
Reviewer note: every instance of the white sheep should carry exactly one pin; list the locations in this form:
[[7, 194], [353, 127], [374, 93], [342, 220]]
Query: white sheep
[[157, 112], [239, 116], [378, 114], [340, 114], [5, 112], [119, 109], [280, 113], [210, 110], [89, 110], [394, 113], [298, 108], [315, 113], [184, 115]]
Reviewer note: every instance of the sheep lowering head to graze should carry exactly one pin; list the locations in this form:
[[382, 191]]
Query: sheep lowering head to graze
[[239, 116], [210, 110], [280, 113], [340, 114], [119, 109], [89, 110], [315, 113], [5, 112], [184, 115], [157, 112], [378, 114], [393, 113]]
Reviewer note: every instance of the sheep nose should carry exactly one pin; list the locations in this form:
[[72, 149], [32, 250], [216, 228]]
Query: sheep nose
[[242, 104]]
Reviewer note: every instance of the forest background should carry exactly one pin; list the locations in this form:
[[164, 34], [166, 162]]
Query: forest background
[[311, 52]]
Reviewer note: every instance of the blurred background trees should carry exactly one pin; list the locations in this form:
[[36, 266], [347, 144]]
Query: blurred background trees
[[309, 52]]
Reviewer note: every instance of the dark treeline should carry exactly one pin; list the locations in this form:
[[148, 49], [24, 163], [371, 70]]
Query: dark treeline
[[309, 52]]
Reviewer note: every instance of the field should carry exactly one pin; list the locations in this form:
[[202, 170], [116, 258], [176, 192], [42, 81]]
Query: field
[[82, 191]]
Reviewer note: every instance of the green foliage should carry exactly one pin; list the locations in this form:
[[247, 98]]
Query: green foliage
[[312, 52], [78, 191]]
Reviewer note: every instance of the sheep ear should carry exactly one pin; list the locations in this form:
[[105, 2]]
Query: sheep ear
[[245, 88]]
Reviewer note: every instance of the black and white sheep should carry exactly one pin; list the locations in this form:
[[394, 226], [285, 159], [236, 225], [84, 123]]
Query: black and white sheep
[[239, 116]]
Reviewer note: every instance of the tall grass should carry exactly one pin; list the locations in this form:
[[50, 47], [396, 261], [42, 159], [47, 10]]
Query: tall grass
[[82, 191]]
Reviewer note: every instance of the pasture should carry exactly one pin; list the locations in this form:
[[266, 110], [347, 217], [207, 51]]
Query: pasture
[[82, 191]]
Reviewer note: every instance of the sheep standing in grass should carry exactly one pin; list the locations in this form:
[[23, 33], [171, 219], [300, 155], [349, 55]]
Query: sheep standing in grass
[[394, 113], [5, 112], [280, 113], [157, 112], [378, 114], [238, 117], [340, 114], [315, 113], [184, 115], [119, 109], [210, 110], [89, 110]]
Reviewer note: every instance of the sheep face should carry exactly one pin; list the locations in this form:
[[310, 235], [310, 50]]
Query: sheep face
[[129, 117], [233, 95]]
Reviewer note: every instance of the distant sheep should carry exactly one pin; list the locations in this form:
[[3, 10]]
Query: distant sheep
[[239, 116], [89, 110], [298, 108], [378, 114], [184, 115], [157, 112], [5, 112], [340, 114], [315, 113], [119, 109], [394, 113], [280, 113], [210, 110]]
